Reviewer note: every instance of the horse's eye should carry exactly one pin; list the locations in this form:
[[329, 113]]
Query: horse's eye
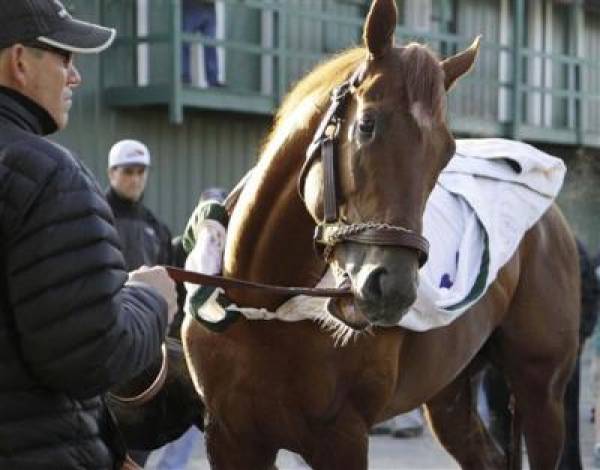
[[366, 125]]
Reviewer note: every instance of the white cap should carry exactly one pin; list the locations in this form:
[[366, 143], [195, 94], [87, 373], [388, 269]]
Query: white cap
[[128, 152]]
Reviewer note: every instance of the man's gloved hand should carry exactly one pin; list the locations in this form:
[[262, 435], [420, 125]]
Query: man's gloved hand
[[158, 278]]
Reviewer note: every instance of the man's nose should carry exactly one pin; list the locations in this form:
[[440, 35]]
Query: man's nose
[[138, 177], [74, 78]]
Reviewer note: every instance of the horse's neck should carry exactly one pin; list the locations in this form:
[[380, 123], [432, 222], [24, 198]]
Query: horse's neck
[[270, 232]]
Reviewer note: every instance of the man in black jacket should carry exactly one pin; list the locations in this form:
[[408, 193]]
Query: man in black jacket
[[72, 324], [145, 239]]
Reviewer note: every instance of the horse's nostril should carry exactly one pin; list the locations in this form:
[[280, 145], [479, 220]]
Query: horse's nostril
[[384, 289], [374, 287]]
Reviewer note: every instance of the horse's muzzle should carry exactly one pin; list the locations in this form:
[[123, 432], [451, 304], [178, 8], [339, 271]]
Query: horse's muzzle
[[384, 295]]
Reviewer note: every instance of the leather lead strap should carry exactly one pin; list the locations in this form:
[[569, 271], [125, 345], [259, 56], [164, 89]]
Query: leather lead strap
[[181, 275]]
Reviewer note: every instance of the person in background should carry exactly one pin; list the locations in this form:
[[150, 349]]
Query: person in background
[[595, 337], [179, 256], [200, 16], [145, 240], [590, 297], [176, 455], [73, 323]]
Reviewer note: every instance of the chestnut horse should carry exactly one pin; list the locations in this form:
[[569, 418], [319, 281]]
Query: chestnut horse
[[270, 385]]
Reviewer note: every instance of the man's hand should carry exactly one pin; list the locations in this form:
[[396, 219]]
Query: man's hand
[[158, 278]]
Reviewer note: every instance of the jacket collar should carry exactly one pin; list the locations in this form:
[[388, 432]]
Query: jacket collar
[[122, 205], [25, 113]]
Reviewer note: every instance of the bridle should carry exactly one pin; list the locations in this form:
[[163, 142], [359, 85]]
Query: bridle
[[332, 230]]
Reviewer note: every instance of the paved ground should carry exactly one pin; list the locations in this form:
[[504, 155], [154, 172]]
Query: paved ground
[[424, 452]]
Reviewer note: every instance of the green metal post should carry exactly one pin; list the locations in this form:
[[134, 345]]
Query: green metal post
[[518, 34], [175, 104], [282, 50], [134, 44], [577, 76]]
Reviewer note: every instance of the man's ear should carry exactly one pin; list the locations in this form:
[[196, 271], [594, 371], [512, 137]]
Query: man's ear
[[16, 66], [110, 173]]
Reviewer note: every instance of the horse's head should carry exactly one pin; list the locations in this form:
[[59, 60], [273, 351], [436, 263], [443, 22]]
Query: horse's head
[[385, 140]]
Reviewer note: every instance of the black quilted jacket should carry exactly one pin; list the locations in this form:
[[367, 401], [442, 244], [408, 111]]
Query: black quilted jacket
[[69, 328]]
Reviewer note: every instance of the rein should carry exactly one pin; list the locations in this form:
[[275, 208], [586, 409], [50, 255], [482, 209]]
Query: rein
[[332, 230], [181, 275]]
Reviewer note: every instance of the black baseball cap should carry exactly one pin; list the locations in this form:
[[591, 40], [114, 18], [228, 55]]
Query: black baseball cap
[[49, 22]]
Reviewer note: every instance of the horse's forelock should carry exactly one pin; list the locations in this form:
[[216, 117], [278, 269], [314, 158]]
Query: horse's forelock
[[422, 80]]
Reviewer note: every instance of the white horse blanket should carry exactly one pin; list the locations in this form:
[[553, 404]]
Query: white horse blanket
[[487, 197]]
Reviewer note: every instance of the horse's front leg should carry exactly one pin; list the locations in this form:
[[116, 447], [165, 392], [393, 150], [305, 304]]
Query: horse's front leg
[[236, 452], [342, 442]]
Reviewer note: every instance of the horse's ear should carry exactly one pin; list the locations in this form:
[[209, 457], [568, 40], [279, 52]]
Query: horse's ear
[[459, 64], [379, 27]]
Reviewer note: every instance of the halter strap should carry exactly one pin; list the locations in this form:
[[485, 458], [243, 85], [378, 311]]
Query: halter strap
[[325, 139]]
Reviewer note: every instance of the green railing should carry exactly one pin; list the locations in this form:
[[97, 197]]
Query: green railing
[[267, 44]]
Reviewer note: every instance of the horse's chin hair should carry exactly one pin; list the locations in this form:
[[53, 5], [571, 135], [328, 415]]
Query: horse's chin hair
[[340, 332]]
